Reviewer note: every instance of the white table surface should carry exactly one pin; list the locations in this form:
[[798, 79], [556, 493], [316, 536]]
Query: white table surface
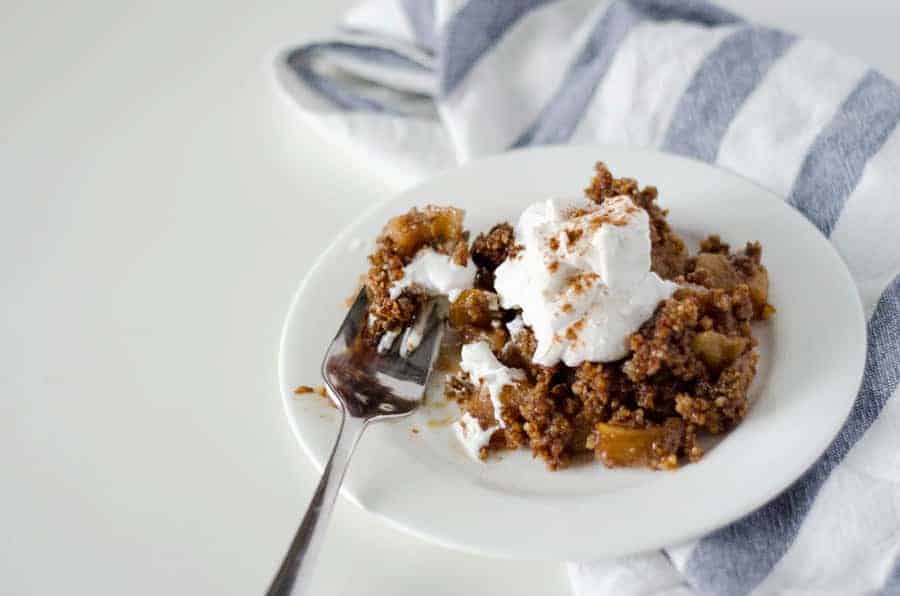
[[159, 208]]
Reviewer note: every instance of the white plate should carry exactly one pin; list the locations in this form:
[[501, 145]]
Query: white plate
[[812, 357]]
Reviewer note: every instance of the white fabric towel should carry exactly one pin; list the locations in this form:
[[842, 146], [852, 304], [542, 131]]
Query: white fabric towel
[[415, 86]]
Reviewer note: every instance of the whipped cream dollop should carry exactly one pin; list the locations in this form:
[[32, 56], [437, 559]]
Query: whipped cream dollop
[[435, 273], [491, 375], [473, 438], [582, 279], [486, 371]]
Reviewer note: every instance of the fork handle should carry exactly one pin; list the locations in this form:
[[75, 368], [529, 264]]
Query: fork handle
[[295, 573]]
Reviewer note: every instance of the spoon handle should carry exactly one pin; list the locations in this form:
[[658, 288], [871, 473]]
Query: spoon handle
[[295, 573]]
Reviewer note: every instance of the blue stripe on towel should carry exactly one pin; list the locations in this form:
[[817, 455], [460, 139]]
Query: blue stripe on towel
[[373, 54], [699, 12], [421, 18], [342, 96], [558, 119], [734, 560], [719, 88], [835, 162], [472, 31]]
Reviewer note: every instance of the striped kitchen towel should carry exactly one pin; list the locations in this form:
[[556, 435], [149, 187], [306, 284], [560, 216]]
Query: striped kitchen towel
[[414, 86]]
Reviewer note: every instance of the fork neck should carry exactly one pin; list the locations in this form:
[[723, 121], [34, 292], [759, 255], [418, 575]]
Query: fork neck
[[294, 575]]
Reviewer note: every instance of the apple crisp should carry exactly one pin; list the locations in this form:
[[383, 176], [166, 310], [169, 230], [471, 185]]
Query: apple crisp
[[683, 370]]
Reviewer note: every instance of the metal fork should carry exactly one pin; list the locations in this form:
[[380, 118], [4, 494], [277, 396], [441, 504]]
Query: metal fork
[[366, 386]]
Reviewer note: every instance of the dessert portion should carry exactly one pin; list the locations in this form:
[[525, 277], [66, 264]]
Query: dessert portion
[[419, 255], [587, 330]]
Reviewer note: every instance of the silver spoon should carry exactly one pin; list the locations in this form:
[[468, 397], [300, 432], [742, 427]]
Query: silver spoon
[[366, 385]]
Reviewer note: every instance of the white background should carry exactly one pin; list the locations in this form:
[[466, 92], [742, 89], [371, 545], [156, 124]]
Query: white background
[[159, 208]]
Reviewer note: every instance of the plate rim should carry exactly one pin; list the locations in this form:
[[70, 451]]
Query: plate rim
[[858, 314]]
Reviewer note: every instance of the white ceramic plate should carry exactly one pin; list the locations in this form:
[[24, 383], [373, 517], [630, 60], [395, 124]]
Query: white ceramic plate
[[812, 357]]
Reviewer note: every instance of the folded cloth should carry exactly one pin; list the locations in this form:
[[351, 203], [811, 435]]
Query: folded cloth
[[414, 86]]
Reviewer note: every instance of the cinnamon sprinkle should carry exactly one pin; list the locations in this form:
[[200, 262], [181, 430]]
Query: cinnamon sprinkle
[[579, 283], [574, 234], [574, 329]]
